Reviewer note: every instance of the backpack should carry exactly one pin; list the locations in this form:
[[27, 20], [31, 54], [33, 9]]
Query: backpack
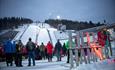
[[30, 46]]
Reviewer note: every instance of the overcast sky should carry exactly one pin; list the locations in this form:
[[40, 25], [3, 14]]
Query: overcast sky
[[81, 10]]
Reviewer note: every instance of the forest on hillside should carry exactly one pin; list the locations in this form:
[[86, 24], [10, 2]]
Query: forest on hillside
[[13, 22], [74, 25]]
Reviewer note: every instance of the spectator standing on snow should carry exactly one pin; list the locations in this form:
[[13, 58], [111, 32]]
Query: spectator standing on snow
[[8, 52], [14, 50], [100, 36], [68, 49], [37, 53], [64, 50], [58, 49], [42, 50], [107, 46], [49, 51], [46, 55], [31, 52], [19, 47]]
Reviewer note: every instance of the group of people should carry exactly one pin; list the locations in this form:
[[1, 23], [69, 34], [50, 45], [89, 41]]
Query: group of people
[[49, 51], [14, 51]]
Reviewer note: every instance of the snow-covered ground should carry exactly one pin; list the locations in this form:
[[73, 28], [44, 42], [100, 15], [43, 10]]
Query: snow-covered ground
[[54, 65]]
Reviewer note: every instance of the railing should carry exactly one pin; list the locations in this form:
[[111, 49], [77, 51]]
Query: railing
[[91, 55], [84, 54]]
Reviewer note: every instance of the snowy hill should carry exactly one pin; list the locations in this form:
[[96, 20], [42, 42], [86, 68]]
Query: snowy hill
[[38, 33]]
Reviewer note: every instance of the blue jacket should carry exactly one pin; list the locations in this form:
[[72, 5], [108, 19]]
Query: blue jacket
[[8, 47]]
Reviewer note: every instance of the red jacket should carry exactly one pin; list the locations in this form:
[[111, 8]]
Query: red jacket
[[49, 48], [101, 38]]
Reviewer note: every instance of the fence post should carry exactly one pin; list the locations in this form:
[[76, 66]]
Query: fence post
[[83, 45], [76, 50], [88, 52], [70, 51]]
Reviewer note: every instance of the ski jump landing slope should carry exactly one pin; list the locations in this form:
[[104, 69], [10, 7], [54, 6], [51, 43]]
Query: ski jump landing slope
[[38, 33]]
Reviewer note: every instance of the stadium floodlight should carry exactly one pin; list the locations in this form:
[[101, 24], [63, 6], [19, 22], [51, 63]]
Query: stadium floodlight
[[58, 17]]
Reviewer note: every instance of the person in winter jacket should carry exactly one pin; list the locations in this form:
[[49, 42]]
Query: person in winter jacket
[[49, 51], [14, 50], [58, 49], [107, 46], [42, 50], [46, 55], [64, 50], [68, 53], [31, 52], [8, 52], [100, 36], [37, 53], [19, 47]]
